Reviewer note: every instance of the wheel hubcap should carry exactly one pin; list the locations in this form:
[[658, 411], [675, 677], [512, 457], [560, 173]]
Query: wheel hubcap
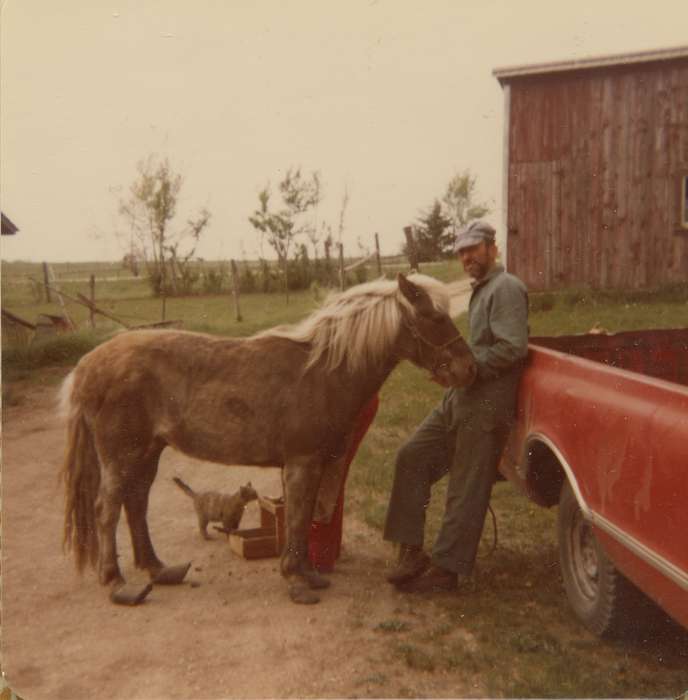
[[584, 558]]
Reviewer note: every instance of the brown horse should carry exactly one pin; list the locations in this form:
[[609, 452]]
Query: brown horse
[[285, 397]]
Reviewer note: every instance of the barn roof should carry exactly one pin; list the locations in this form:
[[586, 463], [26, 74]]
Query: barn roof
[[8, 228], [504, 75]]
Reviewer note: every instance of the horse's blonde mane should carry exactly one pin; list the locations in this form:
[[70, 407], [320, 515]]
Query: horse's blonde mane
[[359, 325]]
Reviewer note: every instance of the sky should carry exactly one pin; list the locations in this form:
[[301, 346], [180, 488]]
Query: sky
[[386, 99]]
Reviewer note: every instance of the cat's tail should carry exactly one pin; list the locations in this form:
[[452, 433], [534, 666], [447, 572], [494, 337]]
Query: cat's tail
[[184, 487]]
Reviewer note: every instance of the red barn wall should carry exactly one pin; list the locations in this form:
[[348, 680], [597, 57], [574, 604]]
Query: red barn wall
[[595, 160]]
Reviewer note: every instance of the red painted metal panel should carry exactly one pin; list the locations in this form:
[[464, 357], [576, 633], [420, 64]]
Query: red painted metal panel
[[622, 436], [661, 353]]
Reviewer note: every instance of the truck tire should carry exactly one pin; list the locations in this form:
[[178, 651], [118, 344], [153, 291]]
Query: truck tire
[[600, 595]]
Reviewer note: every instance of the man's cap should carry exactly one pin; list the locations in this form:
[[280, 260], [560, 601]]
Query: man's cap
[[473, 234]]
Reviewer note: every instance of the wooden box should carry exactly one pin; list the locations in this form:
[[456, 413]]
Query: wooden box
[[266, 540], [254, 543], [272, 517]]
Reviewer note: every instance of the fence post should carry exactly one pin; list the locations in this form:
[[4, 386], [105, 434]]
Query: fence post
[[377, 256], [341, 265], [92, 285], [54, 285], [411, 250], [46, 282], [235, 290], [328, 262]]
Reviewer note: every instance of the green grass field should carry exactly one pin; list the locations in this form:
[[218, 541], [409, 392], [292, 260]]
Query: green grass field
[[528, 643], [129, 299]]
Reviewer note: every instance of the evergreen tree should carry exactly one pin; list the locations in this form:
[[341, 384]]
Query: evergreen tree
[[434, 238]]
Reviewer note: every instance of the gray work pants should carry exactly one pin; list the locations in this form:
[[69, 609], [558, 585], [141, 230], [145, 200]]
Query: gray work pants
[[464, 437]]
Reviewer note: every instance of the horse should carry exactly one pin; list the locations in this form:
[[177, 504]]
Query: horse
[[288, 397]]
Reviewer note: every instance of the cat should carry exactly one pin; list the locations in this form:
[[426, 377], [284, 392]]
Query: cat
[[212, 506]]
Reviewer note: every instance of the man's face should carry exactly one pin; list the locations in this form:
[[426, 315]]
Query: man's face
[[478, 259]]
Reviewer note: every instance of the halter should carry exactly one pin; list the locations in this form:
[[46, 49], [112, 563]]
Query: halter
[[436, 364], [419, 338]]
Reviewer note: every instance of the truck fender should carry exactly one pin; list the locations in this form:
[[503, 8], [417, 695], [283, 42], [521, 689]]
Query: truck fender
[[544, 470]]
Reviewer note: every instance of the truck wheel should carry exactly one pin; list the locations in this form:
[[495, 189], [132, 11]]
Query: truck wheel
[[601, 597]]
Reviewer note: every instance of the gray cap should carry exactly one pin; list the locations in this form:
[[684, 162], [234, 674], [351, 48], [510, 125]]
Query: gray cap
[[473, 234]]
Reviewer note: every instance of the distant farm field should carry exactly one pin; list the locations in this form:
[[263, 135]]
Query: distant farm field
[[130, 299]]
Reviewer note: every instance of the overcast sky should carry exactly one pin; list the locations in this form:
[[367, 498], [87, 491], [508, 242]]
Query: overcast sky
[[388, 99]]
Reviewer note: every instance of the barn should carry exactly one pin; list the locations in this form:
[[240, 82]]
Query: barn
[[596, 171]]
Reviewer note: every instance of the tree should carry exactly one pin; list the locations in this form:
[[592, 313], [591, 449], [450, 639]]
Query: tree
[[459, 206], [434, 237], [150, 209], [328, 242], [342, 212], [299, 195], [131, 262]]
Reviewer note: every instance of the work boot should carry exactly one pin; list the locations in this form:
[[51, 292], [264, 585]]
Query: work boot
[[413, 561], [434, 580]]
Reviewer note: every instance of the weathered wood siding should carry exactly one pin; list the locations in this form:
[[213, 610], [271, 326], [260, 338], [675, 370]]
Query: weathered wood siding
[[595, 161]]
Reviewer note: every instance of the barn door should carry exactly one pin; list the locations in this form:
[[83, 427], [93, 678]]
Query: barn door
[[536, 253]]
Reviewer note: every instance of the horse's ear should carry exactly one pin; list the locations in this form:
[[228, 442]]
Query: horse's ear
[[411, 291]]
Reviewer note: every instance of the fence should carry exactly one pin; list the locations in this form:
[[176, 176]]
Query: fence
[[42, 286]]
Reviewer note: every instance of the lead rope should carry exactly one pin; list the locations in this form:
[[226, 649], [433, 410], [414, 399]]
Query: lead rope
[[494, 535]]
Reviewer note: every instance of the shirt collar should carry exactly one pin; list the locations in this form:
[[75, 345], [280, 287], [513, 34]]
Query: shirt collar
[[496, 270]]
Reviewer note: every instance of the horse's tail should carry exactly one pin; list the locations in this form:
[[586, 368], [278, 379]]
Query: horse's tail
[[81, 476], [184, 487]]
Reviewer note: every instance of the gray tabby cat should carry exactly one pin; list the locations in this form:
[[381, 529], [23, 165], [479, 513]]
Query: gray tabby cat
[[212, 506]]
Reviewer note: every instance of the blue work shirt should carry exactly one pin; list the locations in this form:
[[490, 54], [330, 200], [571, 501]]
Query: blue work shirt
[[498, 322], [498, 319]]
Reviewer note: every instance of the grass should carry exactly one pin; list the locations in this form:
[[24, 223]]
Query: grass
[[576, 311], [510, 625], [54, 351], [129, 299]]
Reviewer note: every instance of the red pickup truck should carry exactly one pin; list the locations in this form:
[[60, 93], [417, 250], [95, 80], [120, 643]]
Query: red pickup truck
[[602, 431]]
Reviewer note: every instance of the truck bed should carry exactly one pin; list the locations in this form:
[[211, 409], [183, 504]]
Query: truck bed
[[662, 354]]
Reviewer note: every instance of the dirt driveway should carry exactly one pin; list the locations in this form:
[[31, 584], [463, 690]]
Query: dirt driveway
[[229, 631]]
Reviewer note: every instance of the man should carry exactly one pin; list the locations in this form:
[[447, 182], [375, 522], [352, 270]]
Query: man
[[464, 436]]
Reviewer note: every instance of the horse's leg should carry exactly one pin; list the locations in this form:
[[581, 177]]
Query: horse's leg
[[136, 508], [107, 509], [301, 479]]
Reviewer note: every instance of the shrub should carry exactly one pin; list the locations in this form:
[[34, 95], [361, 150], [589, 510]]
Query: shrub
[[63, 349], [215, 280], [247, 280]]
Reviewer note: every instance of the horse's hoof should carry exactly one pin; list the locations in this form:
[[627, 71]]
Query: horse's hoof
[[130, 593], [315, 580], [171, 575], [301, 595]]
